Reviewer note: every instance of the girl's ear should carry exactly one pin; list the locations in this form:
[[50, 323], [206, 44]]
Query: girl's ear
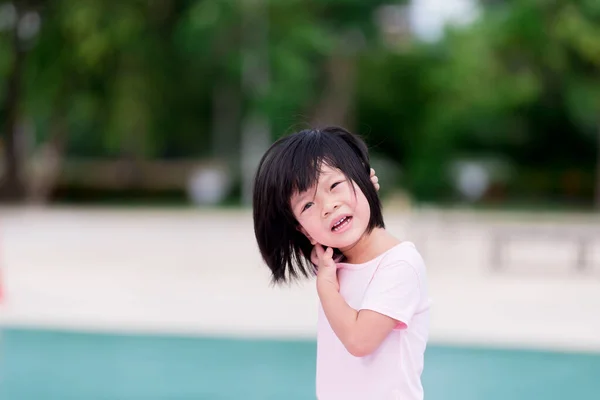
[[310, 239]]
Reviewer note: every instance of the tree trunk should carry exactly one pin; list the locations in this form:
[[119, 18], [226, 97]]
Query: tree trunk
[[335, 106], [256, 127], [597, 200], [226, 102], [13, 188], [226, 114], [47, 162]]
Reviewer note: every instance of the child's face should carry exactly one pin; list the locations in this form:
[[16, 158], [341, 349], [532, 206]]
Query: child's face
[[331, 213]]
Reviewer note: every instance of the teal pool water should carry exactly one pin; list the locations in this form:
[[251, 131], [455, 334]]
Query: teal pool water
[[55, 365]]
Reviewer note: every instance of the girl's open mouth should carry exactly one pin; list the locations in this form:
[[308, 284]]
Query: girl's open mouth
[[342, 224]]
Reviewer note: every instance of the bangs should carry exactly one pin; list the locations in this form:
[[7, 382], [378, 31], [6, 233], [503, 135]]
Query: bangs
[[306, 156]]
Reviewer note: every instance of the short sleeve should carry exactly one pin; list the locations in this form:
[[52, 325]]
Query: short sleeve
[[394, 291]]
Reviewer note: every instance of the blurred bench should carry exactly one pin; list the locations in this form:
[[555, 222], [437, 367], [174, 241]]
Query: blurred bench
[[143, 174], [583, 237]]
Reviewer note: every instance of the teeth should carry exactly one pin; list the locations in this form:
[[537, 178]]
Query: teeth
[[339, 222]]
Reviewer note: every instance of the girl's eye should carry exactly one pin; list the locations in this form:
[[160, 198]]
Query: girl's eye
[[335, 184], [307, 206]]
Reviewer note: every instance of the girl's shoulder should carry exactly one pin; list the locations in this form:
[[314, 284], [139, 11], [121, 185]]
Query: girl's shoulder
[[405, 252]]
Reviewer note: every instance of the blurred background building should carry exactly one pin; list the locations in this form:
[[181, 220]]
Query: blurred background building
[[130, 132]]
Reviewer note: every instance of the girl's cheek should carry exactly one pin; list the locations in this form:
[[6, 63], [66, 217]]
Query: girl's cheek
[[353, 195]]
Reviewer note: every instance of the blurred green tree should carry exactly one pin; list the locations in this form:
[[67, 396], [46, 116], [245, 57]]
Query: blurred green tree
[[137, 80], [519, 82]]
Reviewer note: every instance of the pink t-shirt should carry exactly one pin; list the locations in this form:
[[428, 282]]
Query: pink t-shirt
[[393, 284]]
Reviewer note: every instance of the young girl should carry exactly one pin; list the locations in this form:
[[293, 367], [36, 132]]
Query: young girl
[[313, 194]]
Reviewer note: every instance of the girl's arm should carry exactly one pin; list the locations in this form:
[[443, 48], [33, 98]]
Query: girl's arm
[[361, 332], [390, 301]]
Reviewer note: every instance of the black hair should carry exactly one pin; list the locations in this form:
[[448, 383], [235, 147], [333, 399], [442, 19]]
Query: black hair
[[293, 164]]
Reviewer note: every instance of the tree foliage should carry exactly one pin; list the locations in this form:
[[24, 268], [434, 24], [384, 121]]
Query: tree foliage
[[165, 80]]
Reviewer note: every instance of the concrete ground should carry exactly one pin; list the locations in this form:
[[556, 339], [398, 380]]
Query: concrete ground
[[198, 272]]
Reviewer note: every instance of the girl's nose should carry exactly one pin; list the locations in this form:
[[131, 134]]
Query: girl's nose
[[330, 208]]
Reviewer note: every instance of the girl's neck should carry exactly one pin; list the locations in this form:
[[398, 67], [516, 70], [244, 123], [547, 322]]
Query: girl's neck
[[370, 246]]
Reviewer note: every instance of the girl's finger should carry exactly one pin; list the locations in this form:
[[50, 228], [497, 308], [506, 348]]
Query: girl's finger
[[372, 172], [325, 256]]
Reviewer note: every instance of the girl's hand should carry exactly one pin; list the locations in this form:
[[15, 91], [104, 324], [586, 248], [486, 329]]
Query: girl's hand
[[374, 179], [326, 268]]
